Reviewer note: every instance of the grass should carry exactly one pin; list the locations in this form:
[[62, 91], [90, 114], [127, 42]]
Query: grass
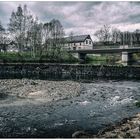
[[9, 57], [103, 59], [95, 58]]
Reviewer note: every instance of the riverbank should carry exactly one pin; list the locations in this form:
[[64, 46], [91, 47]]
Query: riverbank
[[126, 128]]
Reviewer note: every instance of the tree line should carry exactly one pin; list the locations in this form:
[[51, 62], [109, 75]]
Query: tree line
[[28, 34], [108, 35], [39, 39]]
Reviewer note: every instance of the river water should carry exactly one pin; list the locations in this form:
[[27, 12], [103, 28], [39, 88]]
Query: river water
[[101, 103]]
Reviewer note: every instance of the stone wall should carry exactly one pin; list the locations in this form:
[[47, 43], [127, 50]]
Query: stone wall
[[68, 71]]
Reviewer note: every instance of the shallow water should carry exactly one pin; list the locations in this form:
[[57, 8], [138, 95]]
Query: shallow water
[[100, 103]]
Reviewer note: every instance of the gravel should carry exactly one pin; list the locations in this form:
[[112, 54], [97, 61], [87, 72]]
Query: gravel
[[26, 105], [39, 89]]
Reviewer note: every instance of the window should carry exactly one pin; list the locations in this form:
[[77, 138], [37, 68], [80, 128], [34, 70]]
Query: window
[[74, 48], [89, 42], [79, 48], [80, 44], [86, 41], [74, 44]]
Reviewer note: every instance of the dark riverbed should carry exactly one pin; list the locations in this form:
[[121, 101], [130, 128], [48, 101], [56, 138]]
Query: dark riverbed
[[100, 103]]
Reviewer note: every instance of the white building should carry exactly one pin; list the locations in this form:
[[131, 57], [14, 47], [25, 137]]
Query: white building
[[80, 42]]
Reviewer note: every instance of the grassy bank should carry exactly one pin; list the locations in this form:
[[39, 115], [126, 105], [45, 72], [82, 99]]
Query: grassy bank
[[11, 57]]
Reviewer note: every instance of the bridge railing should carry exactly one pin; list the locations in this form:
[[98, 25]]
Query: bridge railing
[[136, 45], [116, 46], [106, 46]]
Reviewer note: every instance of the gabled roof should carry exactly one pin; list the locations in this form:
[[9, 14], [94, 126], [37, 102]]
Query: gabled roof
[[8, 43], [75, 39]]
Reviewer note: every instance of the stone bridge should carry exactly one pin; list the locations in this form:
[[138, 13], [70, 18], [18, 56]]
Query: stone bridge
[[126, 53]]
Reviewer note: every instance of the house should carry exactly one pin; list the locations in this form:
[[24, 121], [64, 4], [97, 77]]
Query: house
[[12, 47], [80, 42], [7, 47]]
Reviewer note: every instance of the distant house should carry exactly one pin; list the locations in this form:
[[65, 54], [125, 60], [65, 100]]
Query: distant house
[[8, 47], [80, 42], [12, 47]]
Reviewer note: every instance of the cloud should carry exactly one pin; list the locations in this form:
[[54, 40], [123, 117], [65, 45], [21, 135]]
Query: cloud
[[81, 17]]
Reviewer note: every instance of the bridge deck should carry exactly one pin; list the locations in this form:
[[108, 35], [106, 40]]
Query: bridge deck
[[110, 50]]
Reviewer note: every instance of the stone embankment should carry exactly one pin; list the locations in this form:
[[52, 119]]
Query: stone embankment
[[68, 71]]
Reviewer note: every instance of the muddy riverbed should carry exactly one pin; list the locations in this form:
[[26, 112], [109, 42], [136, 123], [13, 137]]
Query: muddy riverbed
[[57, 109]]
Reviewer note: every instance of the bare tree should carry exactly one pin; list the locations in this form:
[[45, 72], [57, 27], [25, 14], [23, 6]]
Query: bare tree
[[20, 22], [104, 34], [35, 38], [99, 35], [46, 36], [126, 38], [57, 38], [4, 39], [107, 33], [116, 35]]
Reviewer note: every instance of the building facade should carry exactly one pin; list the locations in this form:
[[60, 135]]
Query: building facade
[[80, 42]]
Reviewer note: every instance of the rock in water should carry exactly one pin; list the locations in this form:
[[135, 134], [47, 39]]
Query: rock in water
[[80, 134]]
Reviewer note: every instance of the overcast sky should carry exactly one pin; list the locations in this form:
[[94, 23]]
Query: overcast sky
[[80, 17]]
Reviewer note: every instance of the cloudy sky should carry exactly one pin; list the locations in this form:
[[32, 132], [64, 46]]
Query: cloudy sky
[[80, 17]]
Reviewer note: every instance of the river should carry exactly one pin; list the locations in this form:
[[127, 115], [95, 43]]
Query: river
[[100, 103]]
